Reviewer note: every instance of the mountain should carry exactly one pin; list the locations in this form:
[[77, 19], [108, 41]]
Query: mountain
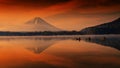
[[107, 28], [36, 24]]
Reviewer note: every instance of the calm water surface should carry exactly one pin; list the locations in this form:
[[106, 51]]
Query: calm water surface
[[60, 52]]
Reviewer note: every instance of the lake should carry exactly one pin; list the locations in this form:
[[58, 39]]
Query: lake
[[85, 51]]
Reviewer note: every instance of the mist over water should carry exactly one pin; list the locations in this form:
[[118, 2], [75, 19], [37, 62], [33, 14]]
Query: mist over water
[[60, 51]]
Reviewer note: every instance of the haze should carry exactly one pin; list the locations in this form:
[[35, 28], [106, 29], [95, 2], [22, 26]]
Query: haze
[[64, 14]]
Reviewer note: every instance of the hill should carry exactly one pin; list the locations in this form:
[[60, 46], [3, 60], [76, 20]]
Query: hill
[[106, 28]]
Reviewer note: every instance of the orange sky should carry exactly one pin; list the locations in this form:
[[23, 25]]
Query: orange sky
[[65, 14]]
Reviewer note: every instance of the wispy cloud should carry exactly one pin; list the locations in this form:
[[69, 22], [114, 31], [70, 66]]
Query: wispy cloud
[[32, 3]]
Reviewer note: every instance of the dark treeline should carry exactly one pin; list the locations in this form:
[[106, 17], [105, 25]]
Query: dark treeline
[[48, 33]]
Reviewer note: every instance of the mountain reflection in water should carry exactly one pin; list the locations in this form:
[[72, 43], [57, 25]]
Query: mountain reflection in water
[[60, 52], [36, 44]]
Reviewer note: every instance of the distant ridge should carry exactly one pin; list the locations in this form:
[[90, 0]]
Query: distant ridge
[[38, 26], [107, 28]]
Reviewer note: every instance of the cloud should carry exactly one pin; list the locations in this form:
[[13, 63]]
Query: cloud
[[91, 8], [78, 15], [97, 3], [80, 4], [32, 3]]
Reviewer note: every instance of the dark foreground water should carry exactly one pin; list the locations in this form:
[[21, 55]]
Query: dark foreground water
[[60, 52]]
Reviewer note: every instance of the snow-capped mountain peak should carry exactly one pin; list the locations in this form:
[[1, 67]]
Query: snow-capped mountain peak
[[36, 24]]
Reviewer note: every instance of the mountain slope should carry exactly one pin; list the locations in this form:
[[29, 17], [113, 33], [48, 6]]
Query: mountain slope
[[36, 24], [107, 28]]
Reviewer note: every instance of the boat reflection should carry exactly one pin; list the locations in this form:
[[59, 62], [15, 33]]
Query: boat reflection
[[113, 42]]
